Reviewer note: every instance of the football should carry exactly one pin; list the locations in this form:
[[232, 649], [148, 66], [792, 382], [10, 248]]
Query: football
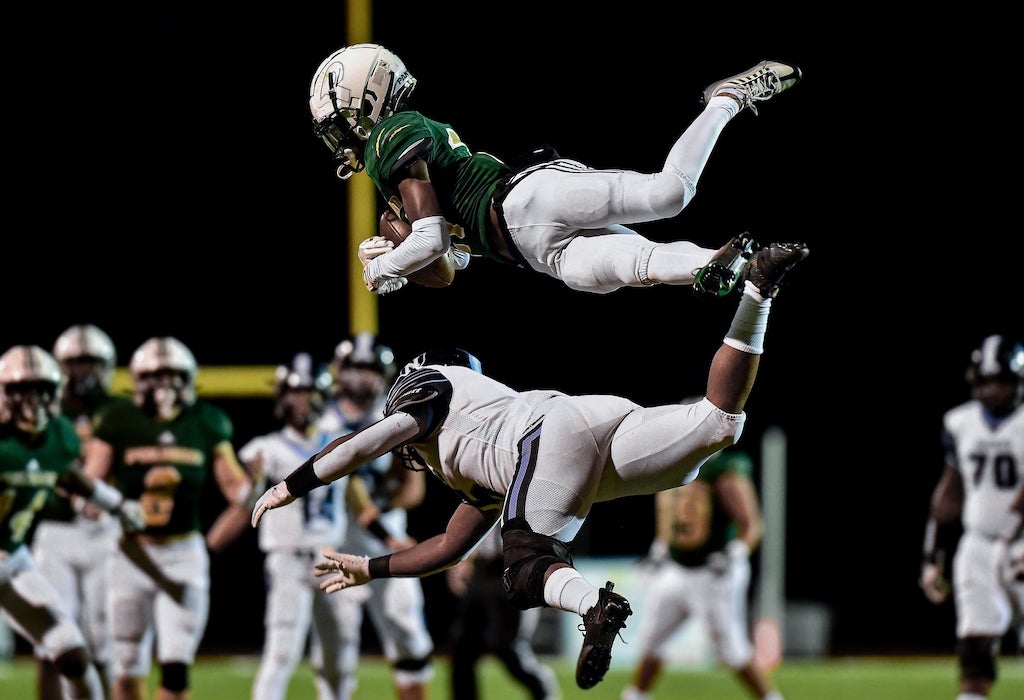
[[439, 273]]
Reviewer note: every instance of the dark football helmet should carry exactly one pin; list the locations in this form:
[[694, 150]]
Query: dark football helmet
[[298, 378], [998, 359]]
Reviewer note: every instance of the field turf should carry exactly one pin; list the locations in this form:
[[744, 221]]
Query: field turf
[[860, 678]]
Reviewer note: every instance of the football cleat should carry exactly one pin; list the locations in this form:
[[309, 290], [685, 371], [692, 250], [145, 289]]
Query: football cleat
[[720, 275], [600, 626], [770, 264], [762, 82]]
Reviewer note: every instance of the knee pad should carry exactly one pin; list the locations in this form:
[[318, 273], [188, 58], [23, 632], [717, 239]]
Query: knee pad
[[72, 663], [977, 657], [413, 671], [527, 557], [174, 677]]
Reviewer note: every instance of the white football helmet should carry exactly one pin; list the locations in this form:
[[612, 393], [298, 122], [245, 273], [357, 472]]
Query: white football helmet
[[30, 382], [352, 91], [163, 372], [89, 346]]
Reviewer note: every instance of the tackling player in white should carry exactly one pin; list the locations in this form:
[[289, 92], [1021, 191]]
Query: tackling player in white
[[538, 460]]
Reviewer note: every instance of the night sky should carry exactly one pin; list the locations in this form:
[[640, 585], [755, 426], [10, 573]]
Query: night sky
[[164, 180]]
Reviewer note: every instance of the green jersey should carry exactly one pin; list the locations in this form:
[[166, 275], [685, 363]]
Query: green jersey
[[164, 465], [700, 526], [28, 473], [464, 181]]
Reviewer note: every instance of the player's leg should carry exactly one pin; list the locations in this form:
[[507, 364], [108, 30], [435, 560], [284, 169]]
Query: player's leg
[[666, 608], [474, 623], [725, 601], [335, 640], [54, 561], [983, 614], [514, 643], [130, 611], [286, 622], [33, 609], [397, 612], [180, 624]]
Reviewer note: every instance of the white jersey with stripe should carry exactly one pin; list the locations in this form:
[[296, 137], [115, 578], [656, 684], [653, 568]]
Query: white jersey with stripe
[[989, 455], [484, 420]]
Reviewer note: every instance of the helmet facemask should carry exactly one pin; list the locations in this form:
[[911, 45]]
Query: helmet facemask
[[162, 393], [29, 405], [353, 90]]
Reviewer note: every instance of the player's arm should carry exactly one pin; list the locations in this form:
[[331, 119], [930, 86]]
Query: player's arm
[[339, 458], [237, 488], [428, 240], [75, 482], [360, 504], [739, 500], [942, 531], [467, 526]]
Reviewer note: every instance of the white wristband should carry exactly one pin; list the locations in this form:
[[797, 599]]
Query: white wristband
[[106, 496]]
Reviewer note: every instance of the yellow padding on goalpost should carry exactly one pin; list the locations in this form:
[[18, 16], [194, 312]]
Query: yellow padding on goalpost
[[224, 381]]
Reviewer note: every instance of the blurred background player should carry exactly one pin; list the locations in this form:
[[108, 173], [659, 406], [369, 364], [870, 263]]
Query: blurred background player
[[486, 623], [292, 542], [983, 441], [39, 450], [700, 568], [160, 449], [378, 497], [71, 550]]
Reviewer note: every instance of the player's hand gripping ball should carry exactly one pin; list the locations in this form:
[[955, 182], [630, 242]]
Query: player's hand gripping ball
[[439, 273]]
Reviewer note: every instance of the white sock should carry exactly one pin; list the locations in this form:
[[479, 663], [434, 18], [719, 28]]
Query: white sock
[[773, 695], [970, 696], [566, 589], [633, 693], [750, 322], [722, 99]]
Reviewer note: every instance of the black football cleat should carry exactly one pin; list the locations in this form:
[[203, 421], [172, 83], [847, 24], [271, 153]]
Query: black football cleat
[[770, 264], [601, 624], [723, 271]]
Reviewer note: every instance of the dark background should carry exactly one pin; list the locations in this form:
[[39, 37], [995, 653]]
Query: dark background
[[163, 180]]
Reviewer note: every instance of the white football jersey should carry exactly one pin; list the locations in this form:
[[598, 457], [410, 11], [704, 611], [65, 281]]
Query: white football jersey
[[315, 521], [483, 421], [990, 458]]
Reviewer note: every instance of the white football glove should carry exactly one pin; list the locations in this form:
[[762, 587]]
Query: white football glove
[[933, 583], [351, 570], [721, 562], [372, 247], [1010, 561], [392, 284], [274, 497], [460, 255], [132, 516]]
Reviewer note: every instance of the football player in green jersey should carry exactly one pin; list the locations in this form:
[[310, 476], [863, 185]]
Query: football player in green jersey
[[556, 216], [39, 452], [699, 568], [160, 449]]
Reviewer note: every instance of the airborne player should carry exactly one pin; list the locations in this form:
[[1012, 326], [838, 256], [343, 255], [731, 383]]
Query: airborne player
[[545, 213]]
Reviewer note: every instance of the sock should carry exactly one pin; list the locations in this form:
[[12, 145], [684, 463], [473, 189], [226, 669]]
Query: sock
[[633, 693], [750, 322], [970, 696], [723, 100], [773, 695], [566, 589]]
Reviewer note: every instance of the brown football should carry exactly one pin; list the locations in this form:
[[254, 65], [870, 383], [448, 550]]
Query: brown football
[[439, 273]]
